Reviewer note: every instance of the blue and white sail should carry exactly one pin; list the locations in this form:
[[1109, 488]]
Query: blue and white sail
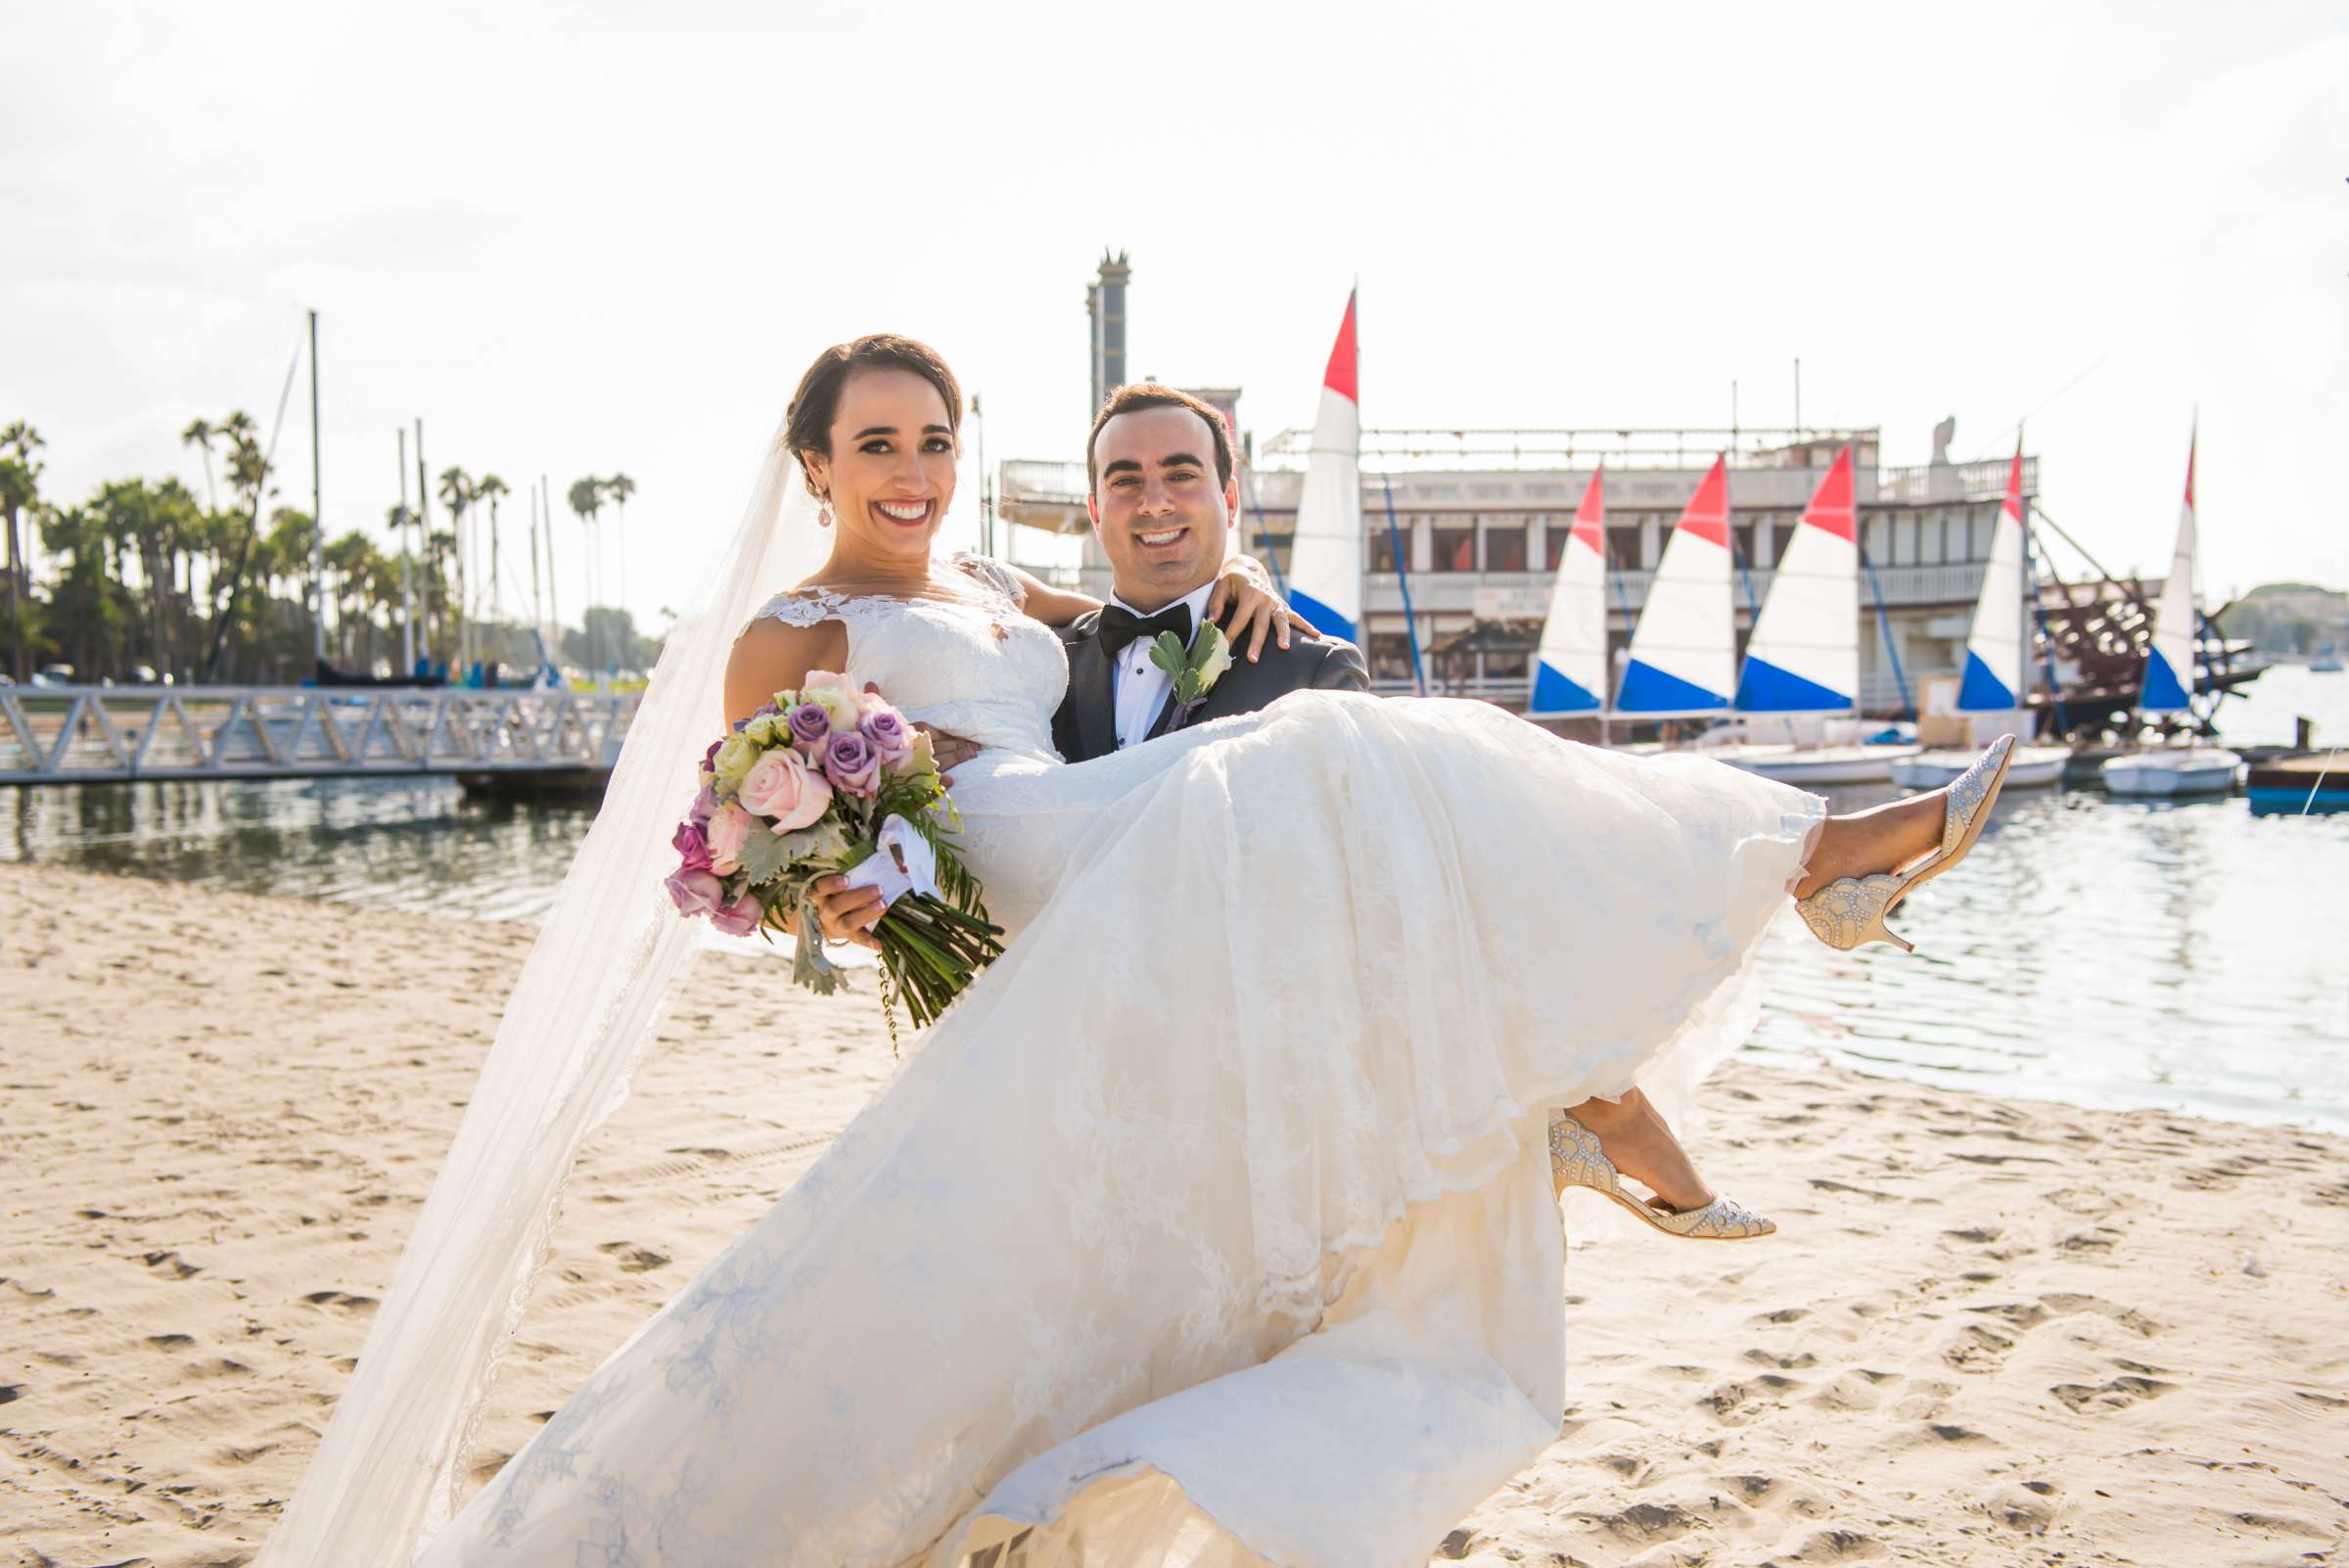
[[2170, 661], [1683, 655], [1570, 669], [1995, 679], [1804, 656], [1325, 560]]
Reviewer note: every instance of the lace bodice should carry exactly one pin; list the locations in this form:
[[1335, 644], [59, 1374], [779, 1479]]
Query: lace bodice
[[978, 668]]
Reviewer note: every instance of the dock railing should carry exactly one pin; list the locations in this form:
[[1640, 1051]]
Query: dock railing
[[112, 734]]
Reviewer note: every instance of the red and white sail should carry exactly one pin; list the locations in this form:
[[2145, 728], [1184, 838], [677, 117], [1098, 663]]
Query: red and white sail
[[2170, 661], [1995, 679], [1804, 656], [1570, 669], [1325, 560], [1683, 655]]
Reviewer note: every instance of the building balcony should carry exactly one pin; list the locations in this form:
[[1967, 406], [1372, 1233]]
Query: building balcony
[[1496, 595]]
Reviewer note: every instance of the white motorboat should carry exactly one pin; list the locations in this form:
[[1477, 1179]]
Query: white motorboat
[[2173, 771], [1815, 765], [2031, 766]]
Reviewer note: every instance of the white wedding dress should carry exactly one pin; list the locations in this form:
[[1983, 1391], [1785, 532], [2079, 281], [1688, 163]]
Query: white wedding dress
[[1213, 1227]]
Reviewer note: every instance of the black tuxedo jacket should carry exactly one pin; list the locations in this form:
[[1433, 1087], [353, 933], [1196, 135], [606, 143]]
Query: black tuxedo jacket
[[1086, 724]]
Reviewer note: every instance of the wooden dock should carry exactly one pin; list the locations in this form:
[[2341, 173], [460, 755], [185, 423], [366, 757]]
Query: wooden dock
[[2293, 779]]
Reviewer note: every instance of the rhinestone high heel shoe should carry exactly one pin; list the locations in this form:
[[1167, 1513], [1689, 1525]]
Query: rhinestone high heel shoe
[[1849, 911], [1576, 1160]]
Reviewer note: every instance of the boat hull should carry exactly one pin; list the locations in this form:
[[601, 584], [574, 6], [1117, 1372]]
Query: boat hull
[[2199, 771], [2032, 768], [1816, 765]]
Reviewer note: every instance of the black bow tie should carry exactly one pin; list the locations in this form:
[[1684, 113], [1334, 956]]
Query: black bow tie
[[1121, 627]]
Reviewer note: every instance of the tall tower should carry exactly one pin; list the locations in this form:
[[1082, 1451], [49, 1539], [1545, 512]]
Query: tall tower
[[1105, 305]]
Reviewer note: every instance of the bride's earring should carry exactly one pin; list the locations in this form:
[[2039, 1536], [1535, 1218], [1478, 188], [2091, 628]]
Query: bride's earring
[[823, 510]]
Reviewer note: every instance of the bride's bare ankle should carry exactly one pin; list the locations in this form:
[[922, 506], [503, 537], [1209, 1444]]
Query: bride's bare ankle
[[1882, 838]]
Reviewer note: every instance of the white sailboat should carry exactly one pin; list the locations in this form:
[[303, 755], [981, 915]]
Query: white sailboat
[[1569, 668], [1804, 656], [1325, 563], [1997, 674], [2169, 680], [1681, 662]]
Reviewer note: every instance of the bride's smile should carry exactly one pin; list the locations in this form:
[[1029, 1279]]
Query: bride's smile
[[890, 473]]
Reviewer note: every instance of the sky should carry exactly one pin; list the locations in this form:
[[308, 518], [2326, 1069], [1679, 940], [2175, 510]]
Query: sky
[[584, 238]]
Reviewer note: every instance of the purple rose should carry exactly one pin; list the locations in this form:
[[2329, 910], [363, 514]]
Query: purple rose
[[765, 709], [693, 845], [704, 805], [811, 728], [850, 763], [890, 736], [696, 892], [710, 757], [739, 918]]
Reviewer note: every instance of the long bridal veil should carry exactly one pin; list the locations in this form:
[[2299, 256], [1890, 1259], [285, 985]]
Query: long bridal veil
[[589, 997]]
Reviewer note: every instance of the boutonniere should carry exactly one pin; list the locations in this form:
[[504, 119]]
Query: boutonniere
[[1195, 672]]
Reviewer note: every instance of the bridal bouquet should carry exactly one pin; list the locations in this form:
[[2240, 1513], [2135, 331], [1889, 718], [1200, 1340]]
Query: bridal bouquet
[[822, 781]]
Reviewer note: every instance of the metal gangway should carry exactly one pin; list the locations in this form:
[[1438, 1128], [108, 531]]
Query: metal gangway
[[120, 734]]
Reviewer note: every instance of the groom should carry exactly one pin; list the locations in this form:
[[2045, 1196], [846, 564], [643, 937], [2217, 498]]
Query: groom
[[1164, 495], [1165, 492]]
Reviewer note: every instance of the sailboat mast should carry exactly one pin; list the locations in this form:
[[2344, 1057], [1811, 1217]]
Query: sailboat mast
[[317, 512], [407, 592]]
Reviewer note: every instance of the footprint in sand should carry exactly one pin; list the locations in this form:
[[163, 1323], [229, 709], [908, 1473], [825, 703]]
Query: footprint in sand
[[2117, 1395], [633, 1260]]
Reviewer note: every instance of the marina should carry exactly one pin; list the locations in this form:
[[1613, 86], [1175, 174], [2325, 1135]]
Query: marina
[[2101, 951]]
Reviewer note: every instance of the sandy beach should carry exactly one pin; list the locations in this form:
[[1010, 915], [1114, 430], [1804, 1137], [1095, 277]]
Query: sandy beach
[[1988, 1332]]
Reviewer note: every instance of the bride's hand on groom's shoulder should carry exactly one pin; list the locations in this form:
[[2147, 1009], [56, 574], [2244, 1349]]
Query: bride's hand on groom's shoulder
[[1245, 591]]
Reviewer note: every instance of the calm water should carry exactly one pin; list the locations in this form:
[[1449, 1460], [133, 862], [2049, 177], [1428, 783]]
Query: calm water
[[2091, 950]]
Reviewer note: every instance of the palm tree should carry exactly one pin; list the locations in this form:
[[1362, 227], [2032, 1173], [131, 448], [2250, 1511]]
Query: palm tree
[[587, 498], [457, 494], [248, 476], [488, 487], [400, 518], [199, 433], [619, 487], [20, 488]]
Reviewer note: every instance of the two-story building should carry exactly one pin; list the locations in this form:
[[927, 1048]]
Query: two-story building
[[1476, 521]]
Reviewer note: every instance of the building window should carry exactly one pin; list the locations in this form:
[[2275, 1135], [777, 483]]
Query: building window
[[1390, 654], [1742, 536], [1454, 550], [1505, 547], [1381, 545], [1553, 547], [1509, 664]]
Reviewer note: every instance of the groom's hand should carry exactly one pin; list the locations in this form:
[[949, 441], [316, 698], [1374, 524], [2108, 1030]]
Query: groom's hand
[[848, 914], [952, 751]]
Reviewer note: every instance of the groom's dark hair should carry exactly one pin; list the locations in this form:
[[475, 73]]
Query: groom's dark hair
[[1150, 395], [809, 423]]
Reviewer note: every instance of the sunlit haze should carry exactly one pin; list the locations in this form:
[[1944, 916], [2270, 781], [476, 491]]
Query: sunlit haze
[[576, 238]]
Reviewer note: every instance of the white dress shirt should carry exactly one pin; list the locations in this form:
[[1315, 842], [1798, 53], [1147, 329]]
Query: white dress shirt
[[1141, 687]]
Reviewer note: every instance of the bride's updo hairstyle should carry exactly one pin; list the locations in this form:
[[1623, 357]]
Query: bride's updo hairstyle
[[813, 407]]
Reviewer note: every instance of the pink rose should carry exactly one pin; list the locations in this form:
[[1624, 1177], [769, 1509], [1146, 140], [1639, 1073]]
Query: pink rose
[[779, 785], [739, 918], [696, 892], [728, 826], [882, 725], [692, 846]]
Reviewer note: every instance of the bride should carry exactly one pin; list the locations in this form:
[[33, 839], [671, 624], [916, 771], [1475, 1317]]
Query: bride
[[1214, 1225]]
